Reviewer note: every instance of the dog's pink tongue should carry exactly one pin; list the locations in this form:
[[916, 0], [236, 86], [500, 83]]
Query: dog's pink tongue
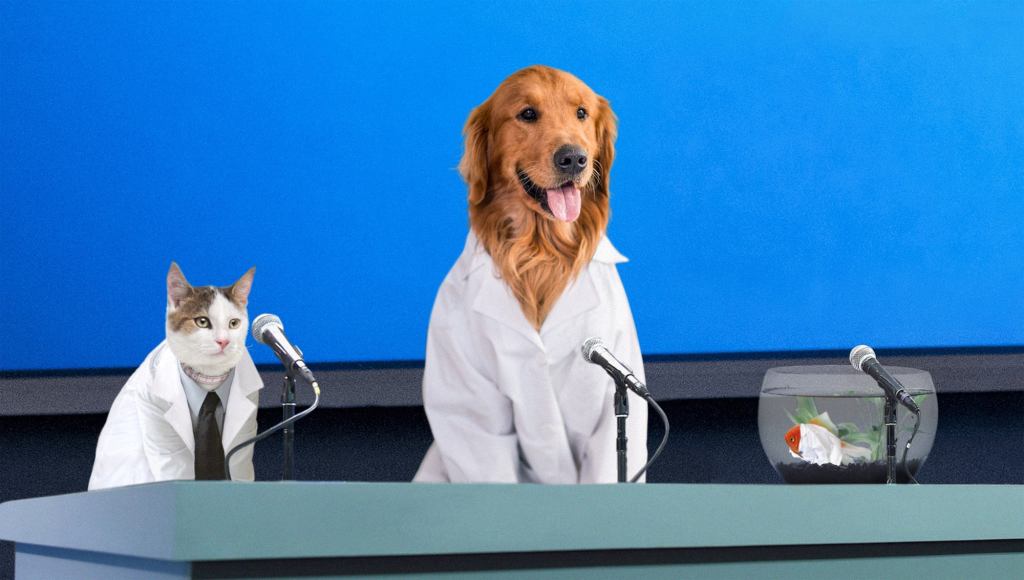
[[564, 202]]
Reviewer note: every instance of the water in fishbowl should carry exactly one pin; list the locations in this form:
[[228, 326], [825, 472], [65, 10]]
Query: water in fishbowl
[[825, 424]]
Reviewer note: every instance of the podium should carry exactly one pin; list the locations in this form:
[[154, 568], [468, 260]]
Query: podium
[[295, 529]]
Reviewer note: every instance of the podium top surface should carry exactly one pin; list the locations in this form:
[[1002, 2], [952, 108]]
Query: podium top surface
[[200, 521]]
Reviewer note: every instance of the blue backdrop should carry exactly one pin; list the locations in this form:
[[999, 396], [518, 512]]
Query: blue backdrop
[[790, 175]]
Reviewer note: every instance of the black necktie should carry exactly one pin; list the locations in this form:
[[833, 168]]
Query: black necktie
[[209, 451]]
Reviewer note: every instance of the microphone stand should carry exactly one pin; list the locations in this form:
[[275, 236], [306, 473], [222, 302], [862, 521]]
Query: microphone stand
[[288, 433], [890, 438], [267, 433], [621, 413]]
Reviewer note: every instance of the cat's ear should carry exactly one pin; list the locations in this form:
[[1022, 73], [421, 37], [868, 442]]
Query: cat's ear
[[178, 287], [240, 289]]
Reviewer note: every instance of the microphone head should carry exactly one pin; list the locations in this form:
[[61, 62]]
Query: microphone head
[[588, 347], [261, 322], [860, 354]]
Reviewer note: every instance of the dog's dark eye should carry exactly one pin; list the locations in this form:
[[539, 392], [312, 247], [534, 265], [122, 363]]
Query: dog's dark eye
[[529, 114], [581, 113]]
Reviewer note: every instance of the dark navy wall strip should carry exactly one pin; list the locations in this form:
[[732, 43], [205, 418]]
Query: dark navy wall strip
[[397, 384]]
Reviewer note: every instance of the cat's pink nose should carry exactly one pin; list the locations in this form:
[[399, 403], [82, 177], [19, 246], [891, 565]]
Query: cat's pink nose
[[223, 342]]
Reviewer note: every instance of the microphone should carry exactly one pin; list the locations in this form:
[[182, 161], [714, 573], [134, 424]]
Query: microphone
[[268, 329], [863, 358], [594, 351]]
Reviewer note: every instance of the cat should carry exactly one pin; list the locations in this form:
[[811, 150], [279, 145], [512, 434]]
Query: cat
[[207, 326], [153, 430]]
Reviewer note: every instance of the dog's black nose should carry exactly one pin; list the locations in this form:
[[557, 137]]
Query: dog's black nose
[[570, 159]]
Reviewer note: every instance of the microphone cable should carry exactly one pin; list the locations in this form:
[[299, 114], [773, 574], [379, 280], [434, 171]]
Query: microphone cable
[[272, 430], [664, 438], [906, 466]]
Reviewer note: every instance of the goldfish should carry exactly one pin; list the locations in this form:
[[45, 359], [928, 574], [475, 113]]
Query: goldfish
[[818, 442]]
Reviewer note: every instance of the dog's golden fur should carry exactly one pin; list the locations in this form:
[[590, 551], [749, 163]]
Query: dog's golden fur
[[536, 254]]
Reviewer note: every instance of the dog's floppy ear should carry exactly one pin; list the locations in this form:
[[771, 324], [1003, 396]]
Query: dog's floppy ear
[[473, 166], [607, 131]]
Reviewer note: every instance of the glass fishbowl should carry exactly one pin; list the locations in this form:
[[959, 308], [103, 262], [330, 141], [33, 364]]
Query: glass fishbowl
[[824, 424]]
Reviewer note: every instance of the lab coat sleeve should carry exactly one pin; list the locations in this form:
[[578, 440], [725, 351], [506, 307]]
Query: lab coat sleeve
[[167, 456], [119, 456], [470, 417]]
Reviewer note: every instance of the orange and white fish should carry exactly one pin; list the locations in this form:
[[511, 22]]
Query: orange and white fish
[[818, 442]]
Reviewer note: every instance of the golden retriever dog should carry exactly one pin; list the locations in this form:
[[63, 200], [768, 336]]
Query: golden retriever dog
[[507, 394], [537, 162]]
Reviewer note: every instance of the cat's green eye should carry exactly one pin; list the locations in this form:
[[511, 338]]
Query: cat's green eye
[[234, 323], [202, 322]]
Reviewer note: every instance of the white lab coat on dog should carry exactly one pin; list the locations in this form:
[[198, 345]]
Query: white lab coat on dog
[[148, 434], [509, 404]]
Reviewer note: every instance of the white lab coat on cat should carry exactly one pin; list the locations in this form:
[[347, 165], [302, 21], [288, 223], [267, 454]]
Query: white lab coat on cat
[[148, 434], [509, 404]]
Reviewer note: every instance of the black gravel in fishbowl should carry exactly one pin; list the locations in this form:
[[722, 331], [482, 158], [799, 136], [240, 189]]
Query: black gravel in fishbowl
[[859, 472]]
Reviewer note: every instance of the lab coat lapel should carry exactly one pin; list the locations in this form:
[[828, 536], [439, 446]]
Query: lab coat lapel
[[242, 403], [607, 253], [167, 387], [581, 296], [495, 299]]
